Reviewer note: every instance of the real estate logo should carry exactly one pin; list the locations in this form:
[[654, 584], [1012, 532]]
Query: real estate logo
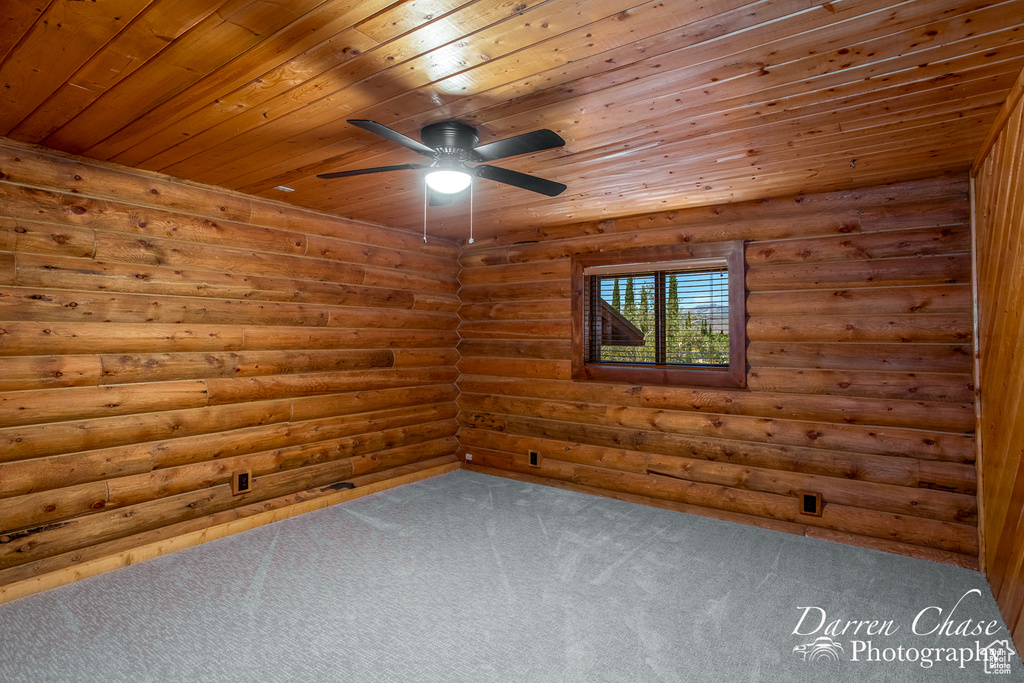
[[997, 657], [935, 635]]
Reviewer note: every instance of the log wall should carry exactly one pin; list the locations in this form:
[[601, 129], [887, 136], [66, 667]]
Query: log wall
[[156, 336], [859, 382], [999, 225]]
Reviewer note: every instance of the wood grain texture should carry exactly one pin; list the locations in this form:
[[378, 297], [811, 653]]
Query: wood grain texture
[[163, 335], [998, 222], [859, 384], [700, 104]]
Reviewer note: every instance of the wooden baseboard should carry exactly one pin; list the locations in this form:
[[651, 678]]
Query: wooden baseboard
[[906, 549], [148, 551]]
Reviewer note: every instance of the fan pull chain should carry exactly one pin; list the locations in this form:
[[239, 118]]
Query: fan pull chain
[[471, 212], [426, 191]]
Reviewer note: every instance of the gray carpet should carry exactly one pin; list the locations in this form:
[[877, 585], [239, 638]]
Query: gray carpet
[[467, 577]]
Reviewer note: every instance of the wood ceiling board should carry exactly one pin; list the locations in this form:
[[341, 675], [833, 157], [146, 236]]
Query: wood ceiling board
[[16, 18], [63, 38], [150, 32], [320, 93], [622, 97], [657, 101], [236, 27]]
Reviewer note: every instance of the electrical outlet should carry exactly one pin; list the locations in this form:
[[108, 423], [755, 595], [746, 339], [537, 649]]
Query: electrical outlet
[[469, 457], [241, 482], [810, 503], [534, 459]]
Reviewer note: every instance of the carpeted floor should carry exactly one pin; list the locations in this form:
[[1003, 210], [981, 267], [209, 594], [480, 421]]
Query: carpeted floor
[[466, 577]]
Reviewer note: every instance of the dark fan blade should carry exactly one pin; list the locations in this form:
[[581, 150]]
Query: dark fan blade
[[519, 144], [364, 171], [393, 135], [517, 179]]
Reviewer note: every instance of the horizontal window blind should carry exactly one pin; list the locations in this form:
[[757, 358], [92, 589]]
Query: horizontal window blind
[[656, 316]]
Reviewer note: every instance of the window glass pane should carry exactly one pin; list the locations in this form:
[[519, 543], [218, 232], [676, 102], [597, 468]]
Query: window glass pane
[[697, 317], [627, 318]]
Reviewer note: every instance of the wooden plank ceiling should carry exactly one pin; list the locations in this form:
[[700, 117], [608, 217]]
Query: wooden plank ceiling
[[663, 104]]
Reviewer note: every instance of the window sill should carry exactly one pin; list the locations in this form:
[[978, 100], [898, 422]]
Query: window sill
[[662, 375]]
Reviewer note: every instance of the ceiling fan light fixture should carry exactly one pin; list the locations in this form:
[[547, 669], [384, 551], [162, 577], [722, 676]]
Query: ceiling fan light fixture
[[448, 181]]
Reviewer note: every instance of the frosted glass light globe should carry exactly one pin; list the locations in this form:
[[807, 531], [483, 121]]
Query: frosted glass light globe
[[448, 182]]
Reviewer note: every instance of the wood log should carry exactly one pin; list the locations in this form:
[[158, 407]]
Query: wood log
[[7, 268], [36, 441], [432, 301], [60, 209], [417, 358], [311, 408], [288, 338], [549, 469], [930, 241], [924, 386], [588, 392], [957, 358], [76, 403], [932, 329], [40, 474], [886, 546], [675, 506], [157, 252], [415, 282], [59, 537], [36, 509], [140, 488], [517, 367], [128, 368], [896, 470], [947, 536], [698, 230], [890, 272], [177, 452], [863, 301], [883, 204], [367, 318], [66, 567], [516, 273], [40, 271], [65, 339], [889, 441], [554, 309], [520, 348], [27, 236], [518, 291], [46, 168], [351, 252], [515, 329], [243, 389], [49, 305], [48, 372], [937, 416]]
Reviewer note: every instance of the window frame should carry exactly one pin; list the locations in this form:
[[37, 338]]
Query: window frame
[[649, 258]]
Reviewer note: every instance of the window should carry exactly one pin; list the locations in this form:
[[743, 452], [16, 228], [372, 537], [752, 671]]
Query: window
[[661, 315]]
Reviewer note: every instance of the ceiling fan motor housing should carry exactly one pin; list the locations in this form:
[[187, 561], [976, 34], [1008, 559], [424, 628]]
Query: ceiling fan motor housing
[[450, 138]]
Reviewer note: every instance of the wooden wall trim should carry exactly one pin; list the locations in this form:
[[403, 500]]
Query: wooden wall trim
[[318, 500], [978, 398], [1002, 118]]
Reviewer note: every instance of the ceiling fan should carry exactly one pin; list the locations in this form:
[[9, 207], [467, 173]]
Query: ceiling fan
[[451, 144]]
